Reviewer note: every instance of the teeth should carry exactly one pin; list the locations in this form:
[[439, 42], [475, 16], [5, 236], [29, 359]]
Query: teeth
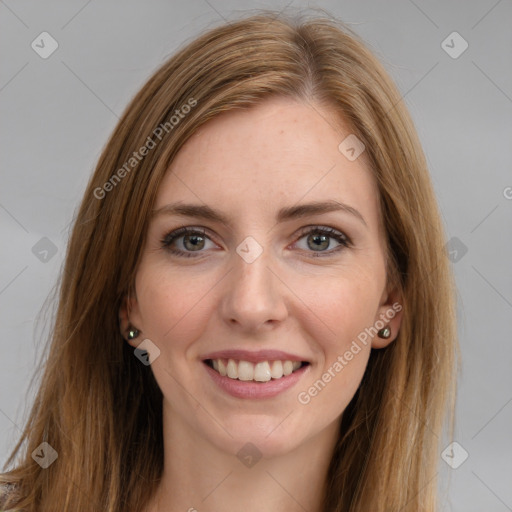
[[287, 367], [276, 370], [245, 370], [232, 369], [263, 371], [222, 367]]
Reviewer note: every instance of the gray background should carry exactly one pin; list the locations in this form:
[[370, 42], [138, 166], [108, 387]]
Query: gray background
[[58, 112]]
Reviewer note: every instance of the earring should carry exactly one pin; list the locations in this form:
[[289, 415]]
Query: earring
[[132, 333], [384, 333]]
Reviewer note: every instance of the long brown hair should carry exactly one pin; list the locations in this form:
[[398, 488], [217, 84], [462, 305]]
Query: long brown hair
[[101, 410]]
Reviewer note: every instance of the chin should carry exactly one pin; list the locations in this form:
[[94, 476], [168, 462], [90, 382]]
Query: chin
[[267, 435]]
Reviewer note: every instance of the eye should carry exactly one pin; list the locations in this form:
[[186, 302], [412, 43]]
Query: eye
[[319, 239], [189, 242], [186, 241]]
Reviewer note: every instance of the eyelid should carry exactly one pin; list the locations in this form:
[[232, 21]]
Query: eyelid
[[340, 237], [174, 234], [331, 232], [324, 228]]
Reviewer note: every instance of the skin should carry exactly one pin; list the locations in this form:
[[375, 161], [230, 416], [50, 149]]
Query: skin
[[249, 164]]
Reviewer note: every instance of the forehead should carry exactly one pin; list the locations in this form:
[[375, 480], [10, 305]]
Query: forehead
[[278, 153]]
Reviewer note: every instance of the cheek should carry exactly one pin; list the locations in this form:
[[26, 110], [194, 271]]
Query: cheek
[[338, 308], [173, 306], [343, 309], [341, 313]]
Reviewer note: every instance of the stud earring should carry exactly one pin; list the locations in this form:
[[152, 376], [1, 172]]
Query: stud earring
[[384, 333], [132, 333]]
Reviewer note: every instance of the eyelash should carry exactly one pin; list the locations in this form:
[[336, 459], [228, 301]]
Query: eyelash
[[169, 238]]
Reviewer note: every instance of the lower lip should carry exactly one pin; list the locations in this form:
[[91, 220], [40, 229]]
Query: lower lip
[[251, 389]]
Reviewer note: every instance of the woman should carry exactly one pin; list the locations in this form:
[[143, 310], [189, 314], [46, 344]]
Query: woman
[[256, 309]]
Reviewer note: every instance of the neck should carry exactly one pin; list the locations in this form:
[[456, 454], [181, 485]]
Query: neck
[[200, 476]]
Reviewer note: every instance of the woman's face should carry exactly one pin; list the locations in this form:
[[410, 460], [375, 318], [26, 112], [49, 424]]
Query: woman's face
[[275, 281]]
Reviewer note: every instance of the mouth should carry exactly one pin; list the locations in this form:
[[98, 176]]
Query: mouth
[[260, 372]]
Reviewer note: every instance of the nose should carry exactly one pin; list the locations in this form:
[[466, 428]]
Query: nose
[[254, 296]]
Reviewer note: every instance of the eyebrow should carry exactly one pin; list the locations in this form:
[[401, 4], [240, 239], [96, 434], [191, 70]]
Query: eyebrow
[[284, 214]]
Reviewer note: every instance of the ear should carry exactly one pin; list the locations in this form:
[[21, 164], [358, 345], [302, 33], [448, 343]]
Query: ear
[[390, 314], [128, 316]]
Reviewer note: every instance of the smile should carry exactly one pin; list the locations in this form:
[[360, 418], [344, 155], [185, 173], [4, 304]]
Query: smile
[[262, 371], [233, 384]]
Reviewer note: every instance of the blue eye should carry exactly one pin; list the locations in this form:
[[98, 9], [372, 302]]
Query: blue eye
[[319, 239], [190, 242], [192, 239]]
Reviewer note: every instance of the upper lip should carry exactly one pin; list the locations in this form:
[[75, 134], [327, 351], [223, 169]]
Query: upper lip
[[253, 356]]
